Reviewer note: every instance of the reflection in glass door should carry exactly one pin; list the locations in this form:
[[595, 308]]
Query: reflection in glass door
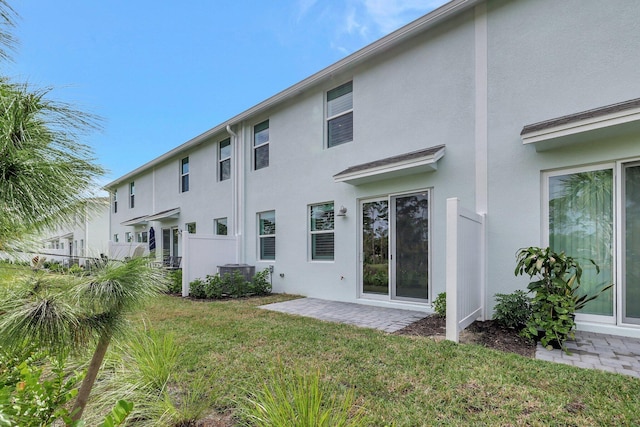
[[410, 246], [631, 239], [375, 247]]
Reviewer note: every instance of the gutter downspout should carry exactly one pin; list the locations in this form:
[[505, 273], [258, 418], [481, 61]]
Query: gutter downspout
[[237, 195]]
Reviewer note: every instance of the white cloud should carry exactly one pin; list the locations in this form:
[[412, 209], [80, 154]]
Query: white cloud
[[389, 15]]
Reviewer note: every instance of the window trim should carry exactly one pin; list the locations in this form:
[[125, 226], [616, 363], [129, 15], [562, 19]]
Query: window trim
[[222, 160], [317, 232], [217, 222], [132, 194], [184, 176], [329, 119], [265, 236], [188, 225], [261, 145]]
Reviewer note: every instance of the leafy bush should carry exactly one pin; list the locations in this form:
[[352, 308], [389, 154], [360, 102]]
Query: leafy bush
[[556, 293], [299, 401], [513, 310], [197, 289], [260, 285], [174, 285], [440, 304], [230, 285], [214, 287], [31, 397]]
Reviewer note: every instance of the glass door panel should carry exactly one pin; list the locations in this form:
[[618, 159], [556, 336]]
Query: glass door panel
[[411, 246], [581, 225], [166, 242], [631, 238], [375, 247]]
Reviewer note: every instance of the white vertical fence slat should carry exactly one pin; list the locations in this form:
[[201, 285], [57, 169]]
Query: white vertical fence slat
[[464, 268], [202, 254]]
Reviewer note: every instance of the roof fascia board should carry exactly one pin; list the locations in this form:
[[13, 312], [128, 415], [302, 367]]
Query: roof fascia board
[[407, 167], [582, 126], [429, 20]]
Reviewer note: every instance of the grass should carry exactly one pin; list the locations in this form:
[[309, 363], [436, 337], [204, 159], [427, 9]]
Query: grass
[[233, 347]]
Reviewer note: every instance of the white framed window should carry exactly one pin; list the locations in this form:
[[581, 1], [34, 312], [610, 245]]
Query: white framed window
[[220, 226], [142, 237], [115, 201], [321, 223], [116, 239], [128, 237], [340, 115], [132, 194], [267, 236], [184, 175], [224, 160], [190, 227], [261, 145]]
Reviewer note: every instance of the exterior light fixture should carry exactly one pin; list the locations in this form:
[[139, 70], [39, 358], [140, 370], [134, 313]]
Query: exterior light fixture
[[342, 211]]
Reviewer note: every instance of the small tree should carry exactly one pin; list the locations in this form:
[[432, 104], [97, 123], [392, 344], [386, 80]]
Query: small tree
[[556, 298], [56, 312]]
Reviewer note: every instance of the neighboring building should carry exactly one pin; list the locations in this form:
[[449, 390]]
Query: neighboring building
[[341, 181], [86, 236]]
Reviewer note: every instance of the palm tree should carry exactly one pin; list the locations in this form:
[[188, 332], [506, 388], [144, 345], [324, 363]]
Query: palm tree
[[59, 312], [45, 172]]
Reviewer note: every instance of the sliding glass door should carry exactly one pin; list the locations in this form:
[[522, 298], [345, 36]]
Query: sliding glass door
[[581, 225], [631, 243], [395, 247]]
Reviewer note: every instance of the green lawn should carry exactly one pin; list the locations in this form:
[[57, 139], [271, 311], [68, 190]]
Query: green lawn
[[399, 380]]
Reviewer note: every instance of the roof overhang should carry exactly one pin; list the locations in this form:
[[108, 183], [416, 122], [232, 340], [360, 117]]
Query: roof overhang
[[168, 214], [140, 220], [415, 162], [600, 123]]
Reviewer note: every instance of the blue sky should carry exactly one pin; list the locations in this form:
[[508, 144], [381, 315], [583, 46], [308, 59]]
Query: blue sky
[[160, 73]]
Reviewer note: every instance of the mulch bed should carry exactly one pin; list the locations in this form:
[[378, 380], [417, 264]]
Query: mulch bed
[[487, 333]]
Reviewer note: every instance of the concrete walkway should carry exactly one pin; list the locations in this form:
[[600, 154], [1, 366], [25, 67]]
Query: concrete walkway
[[589, 350]]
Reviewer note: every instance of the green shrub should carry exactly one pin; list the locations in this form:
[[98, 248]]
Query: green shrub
[[440, 304], [557, 294], [197, 289], [234, 284], [31, 395], [175, 281], [213, 287], [260, 285], [513, 310]]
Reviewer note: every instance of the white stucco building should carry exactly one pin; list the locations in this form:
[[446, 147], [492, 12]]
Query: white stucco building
[[84, 236], [341, 181]]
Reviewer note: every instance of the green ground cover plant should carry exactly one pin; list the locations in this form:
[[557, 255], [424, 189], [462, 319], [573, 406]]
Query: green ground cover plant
[[235, 347]]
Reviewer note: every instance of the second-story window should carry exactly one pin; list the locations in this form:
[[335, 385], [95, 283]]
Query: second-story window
[[184, 175], [115, 201], [340, 115], [132, 194], [261, 145], [224, 158]]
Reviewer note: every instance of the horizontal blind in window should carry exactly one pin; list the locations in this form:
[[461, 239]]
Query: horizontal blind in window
[[341, 130], [322, 246]]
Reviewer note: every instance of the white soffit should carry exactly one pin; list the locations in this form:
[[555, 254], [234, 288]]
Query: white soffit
[[141, 220], [415, 162], [599, 123], [170, 213]]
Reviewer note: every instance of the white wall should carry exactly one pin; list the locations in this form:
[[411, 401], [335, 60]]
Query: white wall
[[548, 59]]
